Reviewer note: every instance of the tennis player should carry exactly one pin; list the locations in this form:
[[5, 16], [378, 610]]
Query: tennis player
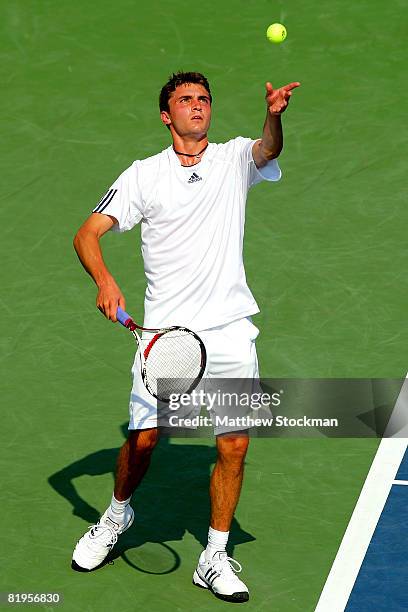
[[190, 200]]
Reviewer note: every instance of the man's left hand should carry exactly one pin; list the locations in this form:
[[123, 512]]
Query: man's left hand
[[277, 100]]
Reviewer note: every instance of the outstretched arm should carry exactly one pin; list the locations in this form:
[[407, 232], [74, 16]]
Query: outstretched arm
[[271, 143], [86, 244]]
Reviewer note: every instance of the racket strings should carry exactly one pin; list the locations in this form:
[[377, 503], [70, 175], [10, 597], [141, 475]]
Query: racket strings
[[174, 361]]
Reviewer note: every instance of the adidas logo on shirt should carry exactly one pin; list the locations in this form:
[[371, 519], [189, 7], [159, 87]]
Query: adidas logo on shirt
[[194, 178]]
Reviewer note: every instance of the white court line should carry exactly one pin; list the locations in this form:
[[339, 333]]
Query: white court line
[[370, 504], [400, 482]]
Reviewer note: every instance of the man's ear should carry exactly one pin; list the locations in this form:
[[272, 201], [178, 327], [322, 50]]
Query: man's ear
[[165, 117]]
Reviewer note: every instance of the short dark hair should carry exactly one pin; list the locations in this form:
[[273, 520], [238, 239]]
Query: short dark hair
[[180, 78]]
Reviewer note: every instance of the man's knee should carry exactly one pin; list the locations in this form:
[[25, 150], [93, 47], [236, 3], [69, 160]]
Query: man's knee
[[233, 446], [143, 440]]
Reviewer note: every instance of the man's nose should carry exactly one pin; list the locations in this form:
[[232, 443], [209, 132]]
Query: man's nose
[[196, 105]]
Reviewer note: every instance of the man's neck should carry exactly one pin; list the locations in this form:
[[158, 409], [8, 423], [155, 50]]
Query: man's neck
[[189, 151], [190, 144]]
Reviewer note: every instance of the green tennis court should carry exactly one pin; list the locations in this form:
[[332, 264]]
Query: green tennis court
[[325, 257]]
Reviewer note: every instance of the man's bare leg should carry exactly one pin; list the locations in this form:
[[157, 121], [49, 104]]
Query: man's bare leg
[[226, 479], [132, 464], [215, 570], [133, 461]]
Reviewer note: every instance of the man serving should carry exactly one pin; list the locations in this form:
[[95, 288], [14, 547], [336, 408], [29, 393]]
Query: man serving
[[190, 200]]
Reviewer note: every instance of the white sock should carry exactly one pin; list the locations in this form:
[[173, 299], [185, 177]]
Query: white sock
[[116, 510], [217, 542]]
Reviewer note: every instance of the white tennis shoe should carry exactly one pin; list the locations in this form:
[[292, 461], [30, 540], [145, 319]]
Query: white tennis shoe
[[95, 545], [220, 576]]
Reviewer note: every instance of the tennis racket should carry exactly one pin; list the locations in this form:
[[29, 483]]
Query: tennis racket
[[172, 360]]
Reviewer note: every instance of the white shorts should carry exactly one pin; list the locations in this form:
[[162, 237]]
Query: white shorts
[[231, 353]]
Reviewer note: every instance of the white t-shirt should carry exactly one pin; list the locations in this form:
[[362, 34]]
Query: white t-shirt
[[192, 230]]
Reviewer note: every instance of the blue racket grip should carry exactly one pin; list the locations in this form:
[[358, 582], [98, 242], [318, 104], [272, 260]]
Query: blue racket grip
[[123, 317]]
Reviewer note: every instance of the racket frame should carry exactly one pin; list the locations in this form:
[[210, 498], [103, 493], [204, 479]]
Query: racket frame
[[127, 321]]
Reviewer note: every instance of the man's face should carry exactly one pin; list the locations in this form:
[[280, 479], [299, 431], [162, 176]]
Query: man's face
[[189, 110]]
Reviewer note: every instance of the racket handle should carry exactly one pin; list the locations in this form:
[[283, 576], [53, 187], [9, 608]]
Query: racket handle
[[123, 317]]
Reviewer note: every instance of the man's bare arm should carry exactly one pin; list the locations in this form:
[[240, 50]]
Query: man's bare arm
[[87, 246], [271, 143]]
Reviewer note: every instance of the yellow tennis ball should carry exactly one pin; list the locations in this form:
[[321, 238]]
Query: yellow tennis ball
[[276, 33]]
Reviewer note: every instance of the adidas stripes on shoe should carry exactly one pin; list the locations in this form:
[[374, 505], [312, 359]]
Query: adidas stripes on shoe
[[95, 545], [219, 575]]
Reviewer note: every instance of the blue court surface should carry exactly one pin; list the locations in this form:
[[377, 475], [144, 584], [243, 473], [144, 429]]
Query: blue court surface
[[382, 581], [370, 570]]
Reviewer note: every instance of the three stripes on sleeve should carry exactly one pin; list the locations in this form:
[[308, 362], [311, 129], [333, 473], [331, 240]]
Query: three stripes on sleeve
[[105, 201]]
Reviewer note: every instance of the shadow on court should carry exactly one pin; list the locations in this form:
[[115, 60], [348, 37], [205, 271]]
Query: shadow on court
[[172, 499]]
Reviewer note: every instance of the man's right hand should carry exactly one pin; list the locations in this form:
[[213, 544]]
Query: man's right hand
[[109, 298]]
